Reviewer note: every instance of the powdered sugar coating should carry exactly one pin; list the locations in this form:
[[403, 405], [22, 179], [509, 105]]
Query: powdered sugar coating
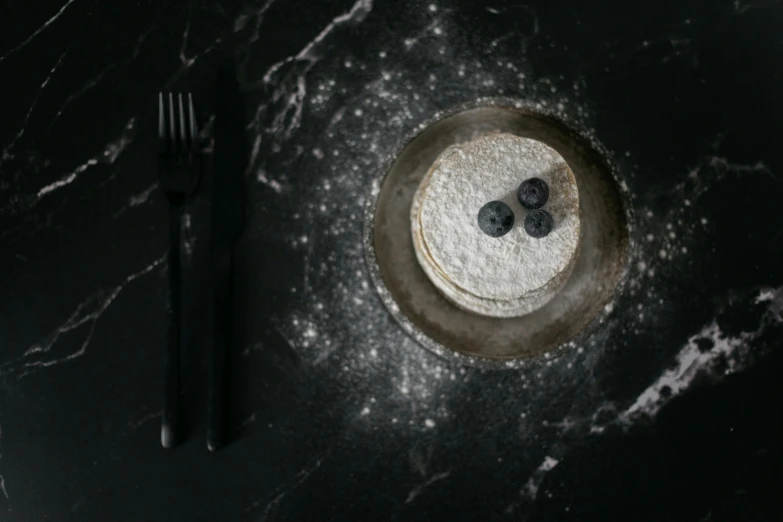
[[479, 268]]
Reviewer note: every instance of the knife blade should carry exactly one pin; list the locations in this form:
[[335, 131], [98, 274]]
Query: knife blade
[[228, 216]]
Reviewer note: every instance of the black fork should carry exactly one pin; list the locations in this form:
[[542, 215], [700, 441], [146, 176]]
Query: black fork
[[179, 172]]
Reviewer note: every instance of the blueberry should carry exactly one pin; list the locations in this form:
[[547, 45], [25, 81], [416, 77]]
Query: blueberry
[[533, 193], [538, 223], [495, 219]]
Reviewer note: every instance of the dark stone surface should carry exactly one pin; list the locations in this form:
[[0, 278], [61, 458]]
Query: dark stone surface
[[670, 411]]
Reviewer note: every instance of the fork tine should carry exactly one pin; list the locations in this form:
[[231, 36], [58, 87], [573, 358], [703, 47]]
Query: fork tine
[[161, 118], [161, 124], [173, 132], [193, 126], [183, 141]]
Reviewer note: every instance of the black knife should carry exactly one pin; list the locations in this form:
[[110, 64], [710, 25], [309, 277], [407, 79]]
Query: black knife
[[228, 216]]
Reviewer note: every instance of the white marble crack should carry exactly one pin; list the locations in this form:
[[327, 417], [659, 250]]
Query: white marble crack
[[280, 494], [6, 151], [145, 418], [89, 312], [356, 14], [290, 88], [109, 155], [249, 420], [86, 86], [691, 361], [143, 196], [765, 295], [534, 482], [743, 7], [710, 352], [719, 162], [596, 427], [140, 42], [187, 62], [95, 80], [565, 425], [696, 359], [416, 491], [717, 168], [241, 21], [68, 179], [38, 31]]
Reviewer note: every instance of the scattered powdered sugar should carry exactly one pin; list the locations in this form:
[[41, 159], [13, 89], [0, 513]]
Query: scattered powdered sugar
[[350, 121], [340, 118], [358, 118], [373, 357], [333, 317]]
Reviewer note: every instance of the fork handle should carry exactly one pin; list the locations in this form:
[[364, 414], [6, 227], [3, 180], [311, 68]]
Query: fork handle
[[222, 342], [169, 435]]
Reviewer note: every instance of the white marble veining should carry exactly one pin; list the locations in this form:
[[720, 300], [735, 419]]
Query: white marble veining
[[288, 79], [382, 381], [419, 489], [280, 494], [109, 155], [38, 31], [88, 312]]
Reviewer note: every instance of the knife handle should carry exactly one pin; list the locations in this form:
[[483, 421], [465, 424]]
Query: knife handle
[[222, 342], [169, 433]]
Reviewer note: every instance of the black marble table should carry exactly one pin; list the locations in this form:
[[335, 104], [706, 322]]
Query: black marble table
[[670, 410]]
